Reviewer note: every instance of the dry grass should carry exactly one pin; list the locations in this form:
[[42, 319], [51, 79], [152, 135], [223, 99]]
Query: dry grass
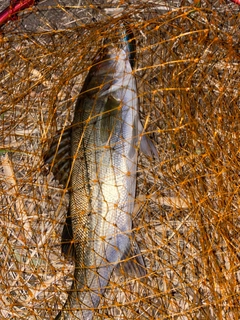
[[186, 219]]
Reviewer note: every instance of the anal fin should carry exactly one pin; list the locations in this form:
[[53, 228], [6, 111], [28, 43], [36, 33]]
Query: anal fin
[[132, 262]]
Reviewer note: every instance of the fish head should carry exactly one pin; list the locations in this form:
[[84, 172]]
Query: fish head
[[124, 40]]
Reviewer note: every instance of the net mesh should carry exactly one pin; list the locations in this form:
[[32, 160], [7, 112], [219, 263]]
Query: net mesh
[[186, 214]]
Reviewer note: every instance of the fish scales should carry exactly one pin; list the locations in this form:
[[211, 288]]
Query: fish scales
[[103, 178]]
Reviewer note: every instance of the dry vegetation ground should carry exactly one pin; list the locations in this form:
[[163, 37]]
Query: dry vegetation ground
[[186, 219]]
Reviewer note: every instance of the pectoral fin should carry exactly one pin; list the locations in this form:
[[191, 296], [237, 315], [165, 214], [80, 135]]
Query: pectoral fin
[[109, 118]]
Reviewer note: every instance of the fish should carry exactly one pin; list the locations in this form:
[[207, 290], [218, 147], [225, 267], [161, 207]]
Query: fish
[[104, 139]]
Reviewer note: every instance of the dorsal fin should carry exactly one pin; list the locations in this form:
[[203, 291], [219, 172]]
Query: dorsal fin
[[59, 156]]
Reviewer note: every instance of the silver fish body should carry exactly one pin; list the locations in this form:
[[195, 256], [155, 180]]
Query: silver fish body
[[103, 179]]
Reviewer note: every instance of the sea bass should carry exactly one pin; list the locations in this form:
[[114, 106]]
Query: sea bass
[[104, 139]]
